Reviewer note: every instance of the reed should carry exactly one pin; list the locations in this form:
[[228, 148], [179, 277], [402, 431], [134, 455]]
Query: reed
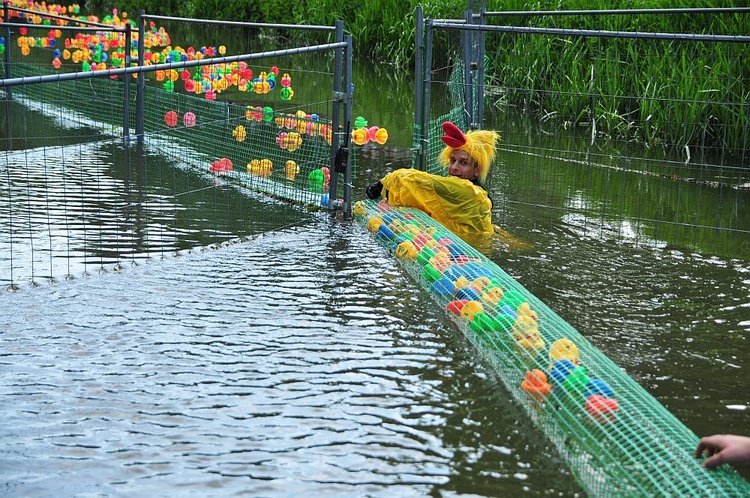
[[654, 92], [674, 93]]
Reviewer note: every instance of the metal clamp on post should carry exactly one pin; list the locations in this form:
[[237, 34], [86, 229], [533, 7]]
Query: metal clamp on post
[[342, 155]]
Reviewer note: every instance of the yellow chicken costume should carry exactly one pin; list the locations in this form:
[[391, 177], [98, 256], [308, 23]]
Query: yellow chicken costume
[[458, 204], [461, 205]]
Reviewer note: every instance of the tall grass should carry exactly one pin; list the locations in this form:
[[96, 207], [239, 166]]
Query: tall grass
[[675, 93], [679, 94]]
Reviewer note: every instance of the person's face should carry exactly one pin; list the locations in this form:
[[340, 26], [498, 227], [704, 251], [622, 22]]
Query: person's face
[[462, 165]]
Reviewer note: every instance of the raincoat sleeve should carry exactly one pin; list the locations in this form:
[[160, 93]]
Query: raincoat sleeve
[[458, 204]]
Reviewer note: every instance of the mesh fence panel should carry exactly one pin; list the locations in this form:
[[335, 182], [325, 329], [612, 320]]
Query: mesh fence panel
[[641, 139], [205, 170], [278, 153], [617, 439]]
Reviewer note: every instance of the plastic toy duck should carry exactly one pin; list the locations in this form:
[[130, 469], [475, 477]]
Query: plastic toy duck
[[526, 330], [601, 408], [373, 224], [536, 384], [239, 133], [564, 349], [406, 250], [262, 168], [359, 136], [360, 208], [291, 169], [470, 309], [294, 141], [254, 113], [492, 295], [221, 165], [265, 168]]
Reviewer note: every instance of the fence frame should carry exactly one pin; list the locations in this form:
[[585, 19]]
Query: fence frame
[[473, 28], [342, 93], [339, 161]]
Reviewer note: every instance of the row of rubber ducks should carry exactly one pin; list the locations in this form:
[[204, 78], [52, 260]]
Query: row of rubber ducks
[[476, 296], [105, 49], [571, 381], [257, 167], [363, 134], [318, 178]]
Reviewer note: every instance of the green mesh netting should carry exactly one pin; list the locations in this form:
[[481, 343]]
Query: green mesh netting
[[456, 85], [434, 145], [616, 438], [274, 151], [456, 115], [97, 102], [278, 153]]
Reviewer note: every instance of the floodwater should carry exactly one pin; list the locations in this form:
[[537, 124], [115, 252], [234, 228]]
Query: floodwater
[[300, 358], [304, 360]]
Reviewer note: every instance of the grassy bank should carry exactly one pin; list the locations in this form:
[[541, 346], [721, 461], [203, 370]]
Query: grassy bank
[[669, 93], [680, 94]]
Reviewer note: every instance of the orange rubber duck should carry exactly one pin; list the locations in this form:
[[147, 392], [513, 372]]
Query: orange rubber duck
[[536, 384]]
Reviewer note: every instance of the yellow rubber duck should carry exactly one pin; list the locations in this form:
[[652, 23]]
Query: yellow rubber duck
[[564, 349], [526, 332]]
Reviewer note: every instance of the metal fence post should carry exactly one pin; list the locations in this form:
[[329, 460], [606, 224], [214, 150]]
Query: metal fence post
[[480, 70], [467, 38], [126, 96], [336, 117], [348, 119], [427, 81], [8, 75], [140, 105], [418, 89]]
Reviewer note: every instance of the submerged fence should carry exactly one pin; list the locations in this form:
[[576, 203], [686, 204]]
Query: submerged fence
[[631, 135], [595, 159], [93, 132], [616, 438]]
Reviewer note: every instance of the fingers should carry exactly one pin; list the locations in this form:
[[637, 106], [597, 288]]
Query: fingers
[[699, 450], [713, 461]]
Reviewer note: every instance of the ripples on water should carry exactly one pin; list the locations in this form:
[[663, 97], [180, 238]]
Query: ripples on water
[[300, 362], [678, 323], [80, 208], [306, 361]]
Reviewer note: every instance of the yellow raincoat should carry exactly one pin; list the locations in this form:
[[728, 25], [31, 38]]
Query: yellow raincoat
[[462, 207]]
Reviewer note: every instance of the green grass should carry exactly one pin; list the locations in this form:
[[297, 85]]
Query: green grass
[[654, 92]]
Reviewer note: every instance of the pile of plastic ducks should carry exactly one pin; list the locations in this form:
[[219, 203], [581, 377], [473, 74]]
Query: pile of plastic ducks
[[105, 49], [502, 316], [363, 134]]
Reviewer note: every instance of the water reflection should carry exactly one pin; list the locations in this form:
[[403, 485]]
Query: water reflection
[[78, 208], [299, 362], [305, 361], [674, 321]]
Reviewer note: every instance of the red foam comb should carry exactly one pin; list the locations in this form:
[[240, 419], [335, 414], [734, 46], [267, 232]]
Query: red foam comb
[[453, 136]]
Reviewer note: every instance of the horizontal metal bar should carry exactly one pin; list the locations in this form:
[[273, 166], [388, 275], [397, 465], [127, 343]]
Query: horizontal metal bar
[[55, 16], [614, 12], [242, 24], [80, 75], [594, 33], [96, 27]]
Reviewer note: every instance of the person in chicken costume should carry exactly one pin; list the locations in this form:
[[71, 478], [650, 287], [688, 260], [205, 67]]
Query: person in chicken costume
[[459, 201]]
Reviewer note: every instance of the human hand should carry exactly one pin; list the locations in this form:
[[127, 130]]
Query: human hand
[[723, 448], [374, 190]]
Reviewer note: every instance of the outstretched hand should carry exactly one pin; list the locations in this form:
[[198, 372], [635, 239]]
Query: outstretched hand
[[723, 448], [374, 190]]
